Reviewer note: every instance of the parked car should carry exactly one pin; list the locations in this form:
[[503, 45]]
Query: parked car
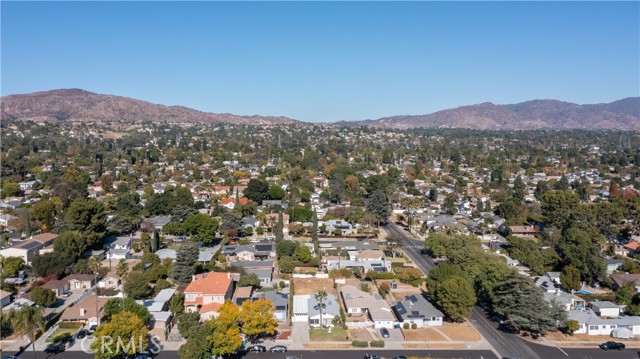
[[67, 294], [10, 357], [278, 349], [612, 345], [92, 329], [372, 356], [384, 332], [291, 357], [81, 334], [400, 357], [257, 349], [54, 348]]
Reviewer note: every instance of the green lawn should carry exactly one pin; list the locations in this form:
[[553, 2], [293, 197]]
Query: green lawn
[[62, 335], [337, 334]]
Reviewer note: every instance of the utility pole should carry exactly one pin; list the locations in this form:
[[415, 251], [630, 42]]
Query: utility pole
[[96, 294]]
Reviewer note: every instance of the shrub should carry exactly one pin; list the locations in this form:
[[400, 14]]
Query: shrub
[[377, 343], [405, 325], [414, 326], [360, 344]]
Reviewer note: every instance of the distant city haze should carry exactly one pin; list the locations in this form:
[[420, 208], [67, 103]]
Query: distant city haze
[[325, 62]]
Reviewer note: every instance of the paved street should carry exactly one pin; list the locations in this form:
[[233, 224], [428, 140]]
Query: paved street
[[503, 343], [545, 352]]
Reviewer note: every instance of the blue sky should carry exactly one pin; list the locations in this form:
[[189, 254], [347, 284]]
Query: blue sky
[[325, 61]]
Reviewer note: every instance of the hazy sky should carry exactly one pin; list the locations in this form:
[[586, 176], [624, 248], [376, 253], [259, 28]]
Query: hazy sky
[[325, 61]]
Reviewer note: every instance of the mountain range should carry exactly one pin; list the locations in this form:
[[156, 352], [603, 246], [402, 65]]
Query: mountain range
[[81, 105]]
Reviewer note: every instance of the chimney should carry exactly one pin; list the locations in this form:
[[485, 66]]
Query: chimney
[[193, 277], [228, 275]]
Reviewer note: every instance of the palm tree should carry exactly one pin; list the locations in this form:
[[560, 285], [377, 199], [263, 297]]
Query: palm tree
[[320, 296], [27, 322]]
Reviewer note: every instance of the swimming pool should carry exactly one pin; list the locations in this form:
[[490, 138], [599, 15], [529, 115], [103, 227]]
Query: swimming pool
[[582, 292]]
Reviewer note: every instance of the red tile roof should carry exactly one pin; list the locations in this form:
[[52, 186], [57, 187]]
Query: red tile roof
[[212, 283]]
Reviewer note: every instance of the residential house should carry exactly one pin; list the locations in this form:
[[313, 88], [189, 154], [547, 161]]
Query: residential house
[[526, 232], [242, 294], [110, 281], [159, 309], [253, 264], [26, 250], [373, 306], [85, 311], [416, 309], [620, 280], [159, 221], [591, 324], [5, 298], [606, 308], [344, 227], [80, 281], [59, 287], [250, 252], [547, 284], [119, 248], [280, 302], [330, 310], [265, 275], [230, 203], [613, 265], [565, 300], [5, 219], [207, 292], [632, 248]]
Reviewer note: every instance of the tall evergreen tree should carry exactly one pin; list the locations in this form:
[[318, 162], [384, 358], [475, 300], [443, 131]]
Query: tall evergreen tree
[[185, 265], [280, 228], [378, 204], [518, 188]]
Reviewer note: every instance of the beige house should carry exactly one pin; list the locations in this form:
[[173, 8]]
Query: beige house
[[80, 281], [85, 311], [207, 292]]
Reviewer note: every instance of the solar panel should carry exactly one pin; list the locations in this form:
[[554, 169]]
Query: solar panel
[[31, 245]]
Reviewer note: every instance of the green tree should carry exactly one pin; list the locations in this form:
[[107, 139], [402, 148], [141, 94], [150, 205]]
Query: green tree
[[122, 268], [579, 249], [303, 253], [43, 297], [136, 285], [125, 328], [449, 205], [455, 296], [257, 190], [378, 204], [198, 345], [119, 305], [202, 226], [185, 265], [45, 211], [231, 225], [280, 228], [10, 189], [522, 304], [572, 326], [570, 278], [28, 321], [558, 208], [275, 193], [187, 322], [11, 266], [249, 280], [286, 264], [285, 248], [320, 296], [88, 217], [518, 188], [176, 305]]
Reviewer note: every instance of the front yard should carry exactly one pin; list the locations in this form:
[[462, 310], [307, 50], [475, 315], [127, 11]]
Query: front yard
[[63, 334], [323, 335]]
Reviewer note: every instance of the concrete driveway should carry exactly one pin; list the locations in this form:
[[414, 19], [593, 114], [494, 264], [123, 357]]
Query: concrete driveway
[[395, 335]]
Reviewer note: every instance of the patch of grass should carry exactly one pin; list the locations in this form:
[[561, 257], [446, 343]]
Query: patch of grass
[[337, 334], [62, 335]]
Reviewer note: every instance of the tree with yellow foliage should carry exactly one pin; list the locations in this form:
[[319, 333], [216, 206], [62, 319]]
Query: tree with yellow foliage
[[257, 318], [124, 334]]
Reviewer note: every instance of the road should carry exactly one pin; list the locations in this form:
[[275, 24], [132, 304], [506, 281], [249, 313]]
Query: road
[[545, 352], [508, 345]]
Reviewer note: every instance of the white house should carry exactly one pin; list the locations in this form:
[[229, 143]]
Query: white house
[[416, 309], [591, 324], [606, 308], [372, 305], [330, 310]]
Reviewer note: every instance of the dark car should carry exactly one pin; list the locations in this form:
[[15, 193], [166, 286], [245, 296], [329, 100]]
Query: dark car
[[384, 332], [92, 329], [612, 345], [54, 348], [278, 349], [81, 333], [371, 356], [400, 357], [257, 349]]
